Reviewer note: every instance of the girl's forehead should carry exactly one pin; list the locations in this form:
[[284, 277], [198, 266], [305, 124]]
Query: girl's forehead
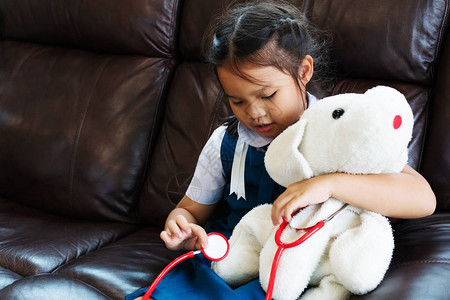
[[255, 74]]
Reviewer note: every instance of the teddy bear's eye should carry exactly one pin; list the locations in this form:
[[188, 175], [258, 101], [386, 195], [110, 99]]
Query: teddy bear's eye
[[337, 113]]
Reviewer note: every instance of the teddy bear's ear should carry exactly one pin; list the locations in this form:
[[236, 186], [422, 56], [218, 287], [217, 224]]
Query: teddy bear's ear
[[284, 162]]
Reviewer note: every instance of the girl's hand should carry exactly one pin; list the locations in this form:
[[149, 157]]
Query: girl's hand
[[299, 195], [180, 234]]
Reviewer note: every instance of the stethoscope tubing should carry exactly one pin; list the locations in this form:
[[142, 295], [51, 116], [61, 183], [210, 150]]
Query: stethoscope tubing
[[166, 270], [310, 231], [190, 254]]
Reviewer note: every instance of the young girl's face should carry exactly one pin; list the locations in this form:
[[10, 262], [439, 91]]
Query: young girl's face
[[270, 100]]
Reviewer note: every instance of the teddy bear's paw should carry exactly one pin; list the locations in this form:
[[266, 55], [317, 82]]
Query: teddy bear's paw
[[328, 288]]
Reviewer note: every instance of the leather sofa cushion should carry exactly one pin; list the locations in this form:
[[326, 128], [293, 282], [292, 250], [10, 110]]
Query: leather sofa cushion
[[7, 277], [128, 264], [51, 287], [420, 265], [34, 242]]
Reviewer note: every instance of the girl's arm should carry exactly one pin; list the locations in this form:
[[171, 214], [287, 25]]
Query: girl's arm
[[183, 225], [400, 195]]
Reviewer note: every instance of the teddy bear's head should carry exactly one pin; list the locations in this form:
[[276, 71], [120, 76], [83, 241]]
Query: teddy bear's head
[[352, 133]]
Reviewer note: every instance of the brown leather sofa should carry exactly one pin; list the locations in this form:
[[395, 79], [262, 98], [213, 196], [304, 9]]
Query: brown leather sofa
[[105, 105]]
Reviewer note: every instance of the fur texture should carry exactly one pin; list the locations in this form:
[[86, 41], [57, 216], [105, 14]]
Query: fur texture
[[353, 133]]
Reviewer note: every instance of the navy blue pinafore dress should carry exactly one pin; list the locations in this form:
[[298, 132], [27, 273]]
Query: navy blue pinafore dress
[[193, 278]]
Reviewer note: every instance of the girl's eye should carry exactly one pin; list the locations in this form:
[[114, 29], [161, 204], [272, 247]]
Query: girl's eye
[[236, 102], [270, 96]]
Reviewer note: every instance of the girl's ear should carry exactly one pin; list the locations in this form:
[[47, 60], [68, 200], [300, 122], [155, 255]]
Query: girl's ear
[[306, 69]]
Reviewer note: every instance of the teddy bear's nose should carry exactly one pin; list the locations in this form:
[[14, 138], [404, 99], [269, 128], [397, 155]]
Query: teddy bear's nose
[[397, 122], [337, 113]]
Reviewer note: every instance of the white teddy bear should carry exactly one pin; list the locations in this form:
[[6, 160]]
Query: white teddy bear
[[352, 133]]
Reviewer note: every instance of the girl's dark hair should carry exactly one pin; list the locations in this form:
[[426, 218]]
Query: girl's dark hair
[[264, 33]]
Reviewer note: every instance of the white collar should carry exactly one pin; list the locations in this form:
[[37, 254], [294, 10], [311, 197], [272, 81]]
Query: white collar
[[251, 137]]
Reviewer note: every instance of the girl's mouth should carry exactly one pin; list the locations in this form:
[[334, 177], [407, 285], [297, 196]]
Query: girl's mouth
[[263, 127]]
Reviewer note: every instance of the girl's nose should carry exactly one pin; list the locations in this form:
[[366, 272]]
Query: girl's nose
[[256, 110]]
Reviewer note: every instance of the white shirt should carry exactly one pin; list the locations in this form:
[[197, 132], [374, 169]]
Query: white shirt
[[209, 179]]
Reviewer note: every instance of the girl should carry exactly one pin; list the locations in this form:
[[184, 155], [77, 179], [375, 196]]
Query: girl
[[264, 54]]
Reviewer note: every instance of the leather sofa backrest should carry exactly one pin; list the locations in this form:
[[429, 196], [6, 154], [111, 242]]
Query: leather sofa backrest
[[400, 44], [139, 27], [195, 107], [395, 43], [436, 155], [82, 89], [105, 106]]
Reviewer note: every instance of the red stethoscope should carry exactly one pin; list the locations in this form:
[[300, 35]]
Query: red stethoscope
[[281, 246], [218, 248]]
